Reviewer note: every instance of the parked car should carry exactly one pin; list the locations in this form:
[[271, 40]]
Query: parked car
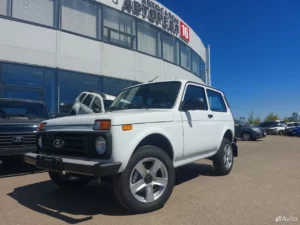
[[91, 102], [248, 132], [290, 127], [148, 131], [19, 122], [273, 127], [295, 131]]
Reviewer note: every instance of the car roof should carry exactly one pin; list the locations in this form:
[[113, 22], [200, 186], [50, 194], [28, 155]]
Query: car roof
[[103, 95], [183, 81], [21, 100]]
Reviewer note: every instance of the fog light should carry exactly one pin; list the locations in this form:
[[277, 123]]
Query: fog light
[[40, 142], [100, 145]]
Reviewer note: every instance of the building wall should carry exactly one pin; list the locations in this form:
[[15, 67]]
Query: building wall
[[66, 52]]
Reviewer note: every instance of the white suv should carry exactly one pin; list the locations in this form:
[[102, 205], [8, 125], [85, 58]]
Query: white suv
[[91, 102], [148, 131]]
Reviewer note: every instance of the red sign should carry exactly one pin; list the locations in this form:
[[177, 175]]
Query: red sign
[[184, 31]]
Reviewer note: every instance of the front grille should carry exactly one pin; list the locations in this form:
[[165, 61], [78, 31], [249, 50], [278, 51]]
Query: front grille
[[6, 140], [73, 144]]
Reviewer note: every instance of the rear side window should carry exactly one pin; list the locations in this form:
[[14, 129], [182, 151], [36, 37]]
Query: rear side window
[[216, 101], [82, 97], [96, 104], [87, 100]]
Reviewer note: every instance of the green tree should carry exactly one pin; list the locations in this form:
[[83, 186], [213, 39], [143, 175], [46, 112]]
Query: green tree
[[251, 118], [257, 121], [271, 117]]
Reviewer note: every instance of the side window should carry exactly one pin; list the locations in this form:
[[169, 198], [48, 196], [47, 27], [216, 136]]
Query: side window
[[193, 92], [216, 101], [82, 97], [96, 104], [87, 100]]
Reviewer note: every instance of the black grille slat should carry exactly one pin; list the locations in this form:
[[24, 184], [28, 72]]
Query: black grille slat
[[73, 144], [6, 140]]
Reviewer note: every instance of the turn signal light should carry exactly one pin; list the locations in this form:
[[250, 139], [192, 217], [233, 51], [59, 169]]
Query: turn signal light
[[102, 125], [127, 127], [42, 126]]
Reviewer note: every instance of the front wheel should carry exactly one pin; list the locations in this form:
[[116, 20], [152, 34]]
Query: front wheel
[[69, 181], [223, 160], [246, 136], [147, 182]]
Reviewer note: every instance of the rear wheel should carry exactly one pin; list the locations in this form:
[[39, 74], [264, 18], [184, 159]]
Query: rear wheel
[[147, 182], [223, 160], [69, 181]]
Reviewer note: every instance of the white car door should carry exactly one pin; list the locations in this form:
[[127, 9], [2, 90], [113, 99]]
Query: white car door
[[85, 106], [197, 127], [220, 115]]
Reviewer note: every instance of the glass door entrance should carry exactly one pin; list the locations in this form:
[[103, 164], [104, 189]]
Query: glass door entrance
[[23, 93]]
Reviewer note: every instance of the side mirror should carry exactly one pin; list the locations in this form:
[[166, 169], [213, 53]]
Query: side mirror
[[96, 110], [193, 104]]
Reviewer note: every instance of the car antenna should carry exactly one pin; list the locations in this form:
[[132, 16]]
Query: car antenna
[[152, 80]]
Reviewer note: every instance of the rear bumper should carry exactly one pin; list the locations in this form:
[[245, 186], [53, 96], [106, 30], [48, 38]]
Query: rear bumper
[[15, 151], [76, 166]]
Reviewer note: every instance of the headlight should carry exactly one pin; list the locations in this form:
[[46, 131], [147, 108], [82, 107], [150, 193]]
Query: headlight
[[40, 142], [100, 145], [255, 129], [102, 125]]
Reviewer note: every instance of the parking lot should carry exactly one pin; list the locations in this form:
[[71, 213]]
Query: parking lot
[[263, 185]]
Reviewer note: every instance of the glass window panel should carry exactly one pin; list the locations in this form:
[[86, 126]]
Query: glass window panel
[[87, 101], [22, 94], [115, 86], [96, 104], [3, 7], [216, 101], [196, 64], [185, 56], [116, 26], [82, 96], [71, 85], [196, 92], [169, 48], [18, 75], [79, 17], [148, 41], [50, 90], [38, 11]]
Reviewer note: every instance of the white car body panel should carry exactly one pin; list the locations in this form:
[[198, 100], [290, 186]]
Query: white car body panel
[[192, 135]]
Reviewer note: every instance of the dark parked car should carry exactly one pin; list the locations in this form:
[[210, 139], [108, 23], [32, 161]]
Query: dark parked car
[[248, 132], [19, 121], [295, 131]]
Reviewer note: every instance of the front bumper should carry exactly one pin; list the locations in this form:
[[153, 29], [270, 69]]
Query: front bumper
[[17, 150], [76, 166], [258, 135]]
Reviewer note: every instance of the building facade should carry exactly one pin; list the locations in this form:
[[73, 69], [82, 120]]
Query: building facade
[[51, 50], [296, 116]]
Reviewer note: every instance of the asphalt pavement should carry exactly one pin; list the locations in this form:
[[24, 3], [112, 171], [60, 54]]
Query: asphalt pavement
[[262, 189]]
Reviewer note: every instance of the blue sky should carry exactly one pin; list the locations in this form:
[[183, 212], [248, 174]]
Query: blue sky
[[255, 50]]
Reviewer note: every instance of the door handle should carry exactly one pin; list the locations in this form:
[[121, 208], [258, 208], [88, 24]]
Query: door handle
[[210, 116]]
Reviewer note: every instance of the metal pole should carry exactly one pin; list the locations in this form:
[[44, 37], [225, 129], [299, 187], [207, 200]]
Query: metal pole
[[207, 66]]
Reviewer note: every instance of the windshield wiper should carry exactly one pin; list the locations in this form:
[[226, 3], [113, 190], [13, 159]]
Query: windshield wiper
[[112, 108], [28, 116], [135, 106]]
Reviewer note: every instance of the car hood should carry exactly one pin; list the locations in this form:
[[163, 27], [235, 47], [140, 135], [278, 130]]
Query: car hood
[[133, 116], [19, 125]]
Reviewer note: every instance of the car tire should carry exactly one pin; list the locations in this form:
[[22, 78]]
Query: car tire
[[65, 181], [246, 136], [223, 160], [280, 132], [139, 191]]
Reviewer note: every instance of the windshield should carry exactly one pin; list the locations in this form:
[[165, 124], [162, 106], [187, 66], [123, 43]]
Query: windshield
[[23, 109], [152, 95], [240, 123]]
